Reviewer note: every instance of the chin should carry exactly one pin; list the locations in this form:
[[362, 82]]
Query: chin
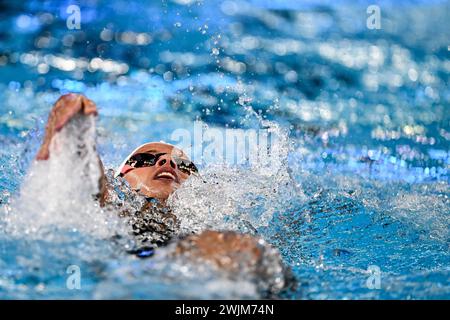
[[161, 189]]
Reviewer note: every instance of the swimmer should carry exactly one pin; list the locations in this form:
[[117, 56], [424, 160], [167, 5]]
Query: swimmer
[[155, 170]]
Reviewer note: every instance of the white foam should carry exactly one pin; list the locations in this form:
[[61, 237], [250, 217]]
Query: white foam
[[59, 192], [236, 198]]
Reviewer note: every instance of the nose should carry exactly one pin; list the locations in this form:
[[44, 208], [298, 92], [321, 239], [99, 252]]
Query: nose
[[166, 160]]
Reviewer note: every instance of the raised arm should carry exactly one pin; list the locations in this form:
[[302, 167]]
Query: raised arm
[[64, 110]]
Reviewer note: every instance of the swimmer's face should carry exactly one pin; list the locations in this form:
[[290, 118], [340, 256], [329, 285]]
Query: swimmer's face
[[157, 169]]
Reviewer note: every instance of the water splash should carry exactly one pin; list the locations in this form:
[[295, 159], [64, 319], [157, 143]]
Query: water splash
[[59, 193], [163, 277], [372, 108], [241, 198], [184, 277]]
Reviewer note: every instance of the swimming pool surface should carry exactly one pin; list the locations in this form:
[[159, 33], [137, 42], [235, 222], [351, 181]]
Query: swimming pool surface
[[360, 206]]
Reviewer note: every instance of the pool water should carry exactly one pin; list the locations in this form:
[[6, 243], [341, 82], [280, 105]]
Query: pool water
[[358, 205]]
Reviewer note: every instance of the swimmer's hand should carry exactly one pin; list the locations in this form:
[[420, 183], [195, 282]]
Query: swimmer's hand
[[63, 110], [227, 250]]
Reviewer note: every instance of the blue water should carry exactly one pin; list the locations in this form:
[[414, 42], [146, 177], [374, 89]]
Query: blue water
[[367, 112]]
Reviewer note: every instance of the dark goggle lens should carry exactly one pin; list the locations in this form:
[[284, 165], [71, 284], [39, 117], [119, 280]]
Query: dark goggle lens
[[140, 160], [143, 160], [185, 166]]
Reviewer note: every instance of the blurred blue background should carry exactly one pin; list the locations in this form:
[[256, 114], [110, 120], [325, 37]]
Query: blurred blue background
[[367, 112]]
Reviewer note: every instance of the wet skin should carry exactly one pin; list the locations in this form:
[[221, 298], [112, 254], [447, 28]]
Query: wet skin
[[158, 181]]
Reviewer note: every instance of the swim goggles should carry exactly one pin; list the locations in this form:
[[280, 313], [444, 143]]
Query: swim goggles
[[142, 160]]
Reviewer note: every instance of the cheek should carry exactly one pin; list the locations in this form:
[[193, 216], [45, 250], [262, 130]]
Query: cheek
[[183, 177], [138, 176]]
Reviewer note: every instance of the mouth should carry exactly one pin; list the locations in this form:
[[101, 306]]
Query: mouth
[[166, 174]]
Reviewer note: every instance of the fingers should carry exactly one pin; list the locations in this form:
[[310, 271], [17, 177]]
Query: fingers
[[69, 105], [63, 110], [89, 106]]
